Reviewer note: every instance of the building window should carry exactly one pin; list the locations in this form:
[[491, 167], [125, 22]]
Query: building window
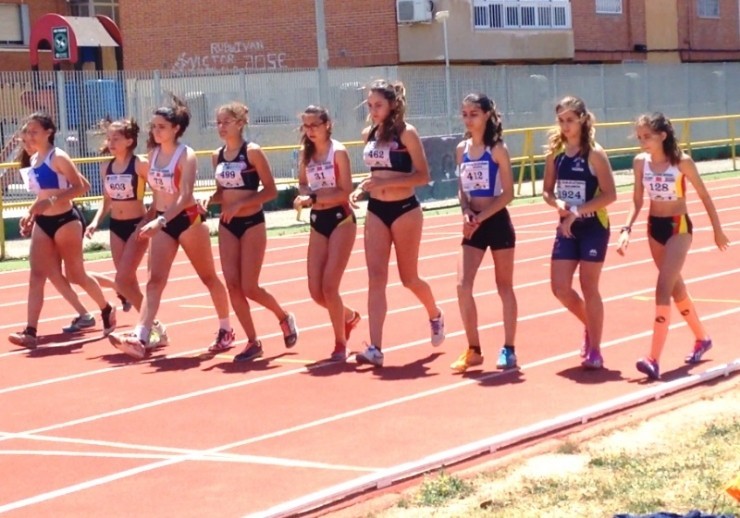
[[521, 14], [707, 8], [15, 27], [107, 8], [608, 6]]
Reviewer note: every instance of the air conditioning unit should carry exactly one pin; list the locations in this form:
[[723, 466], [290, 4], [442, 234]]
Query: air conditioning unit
[[413, 11]]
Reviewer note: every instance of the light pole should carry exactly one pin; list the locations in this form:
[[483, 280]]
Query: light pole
[[323, 53], [442, 16]]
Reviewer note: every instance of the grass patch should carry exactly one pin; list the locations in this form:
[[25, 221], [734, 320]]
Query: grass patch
[[437, 490], [686, 469]]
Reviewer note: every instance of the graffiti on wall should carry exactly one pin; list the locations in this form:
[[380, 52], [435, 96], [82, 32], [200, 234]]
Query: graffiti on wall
[[231, 55]]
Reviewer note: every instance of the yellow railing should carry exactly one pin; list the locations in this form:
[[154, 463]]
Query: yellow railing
[[527, 161]]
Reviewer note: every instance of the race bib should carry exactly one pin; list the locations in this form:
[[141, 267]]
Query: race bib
[[162, 180], [30, 180], [572, 192], [229, 174], [321, 176], [475, 176], [661, 187], [376, 155], [119, 186]]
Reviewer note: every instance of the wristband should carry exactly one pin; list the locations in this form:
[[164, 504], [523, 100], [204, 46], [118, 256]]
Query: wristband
[[313, 197], [626, 229], [574, 210], [162, 221]]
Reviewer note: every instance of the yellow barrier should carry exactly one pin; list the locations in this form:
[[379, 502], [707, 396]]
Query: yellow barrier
[[528, 160]]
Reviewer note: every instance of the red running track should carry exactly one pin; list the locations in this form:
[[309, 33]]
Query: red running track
[[86, 431]]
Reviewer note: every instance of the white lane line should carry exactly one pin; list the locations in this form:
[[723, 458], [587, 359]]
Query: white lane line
[[50, 495]]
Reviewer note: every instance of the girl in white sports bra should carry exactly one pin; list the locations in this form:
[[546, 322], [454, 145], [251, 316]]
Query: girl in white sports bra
[[180, 221], [662, 170]]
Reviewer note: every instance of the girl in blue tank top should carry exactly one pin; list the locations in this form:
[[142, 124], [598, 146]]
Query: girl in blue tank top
[[578, 183], [486, 186]]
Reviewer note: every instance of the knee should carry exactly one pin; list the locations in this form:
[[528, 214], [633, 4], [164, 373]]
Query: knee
[[252, 292], [233, 286], [125, 279], [561, 291], [329, 290], [156, 283], [505, 288], [464, 288], [411, 283], [77, 277]]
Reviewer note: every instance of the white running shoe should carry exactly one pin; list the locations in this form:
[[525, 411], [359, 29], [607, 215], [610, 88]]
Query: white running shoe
[[438, 329], [371, 356]]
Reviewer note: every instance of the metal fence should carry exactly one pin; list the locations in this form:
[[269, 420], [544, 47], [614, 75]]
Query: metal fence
[[526, 96]]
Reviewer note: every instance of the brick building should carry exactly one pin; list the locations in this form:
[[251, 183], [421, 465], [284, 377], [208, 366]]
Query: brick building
[[203, 36]]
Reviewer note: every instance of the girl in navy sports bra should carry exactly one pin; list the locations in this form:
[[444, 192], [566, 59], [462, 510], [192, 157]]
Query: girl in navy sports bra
[[486, 186], [579, 168], [179, 222], [662, 170], [124, 182], [239, 168], [395, 156], [324, 184], [56, 182]]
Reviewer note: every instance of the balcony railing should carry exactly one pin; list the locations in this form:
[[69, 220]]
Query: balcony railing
[[525, 14]]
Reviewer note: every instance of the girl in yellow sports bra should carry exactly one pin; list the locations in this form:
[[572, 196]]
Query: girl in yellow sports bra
[[179, 222], [662, 170]]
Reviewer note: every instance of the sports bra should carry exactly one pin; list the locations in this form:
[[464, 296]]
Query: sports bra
[[323, 174], [391, 155], [670, 185], [237, 173], [125, 186], [479, 178], [166, 179], [43, 176]]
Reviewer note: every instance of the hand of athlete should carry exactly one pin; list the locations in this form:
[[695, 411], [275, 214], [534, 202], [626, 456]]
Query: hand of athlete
[[148, 230], [228, 211], [470, 223], [623, 242], [302, 201], [721, 240], [566, 224], [91, 229], [26, 225], [356, 196]]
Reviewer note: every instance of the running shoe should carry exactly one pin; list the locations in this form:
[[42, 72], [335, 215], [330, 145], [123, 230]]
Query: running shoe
[[468, 359], [223, 342], [506, 359], [252, 351], [129, 344], [339, 354], [350, 324], [290, 331], [79, 323], [109, 319], [593, 360], [700, 347], [649, 367], [438, 329], [24, 339], [158, 336], [372, 356]]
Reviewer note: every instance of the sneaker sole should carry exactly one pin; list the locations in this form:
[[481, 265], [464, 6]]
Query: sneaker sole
[[22, 343], [647, 371], [243, 359], [137, 352], [361, 360]]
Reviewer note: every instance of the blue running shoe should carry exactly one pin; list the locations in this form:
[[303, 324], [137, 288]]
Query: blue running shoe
[[648, 367], [593, 360], [506, 359], [700, 347]]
